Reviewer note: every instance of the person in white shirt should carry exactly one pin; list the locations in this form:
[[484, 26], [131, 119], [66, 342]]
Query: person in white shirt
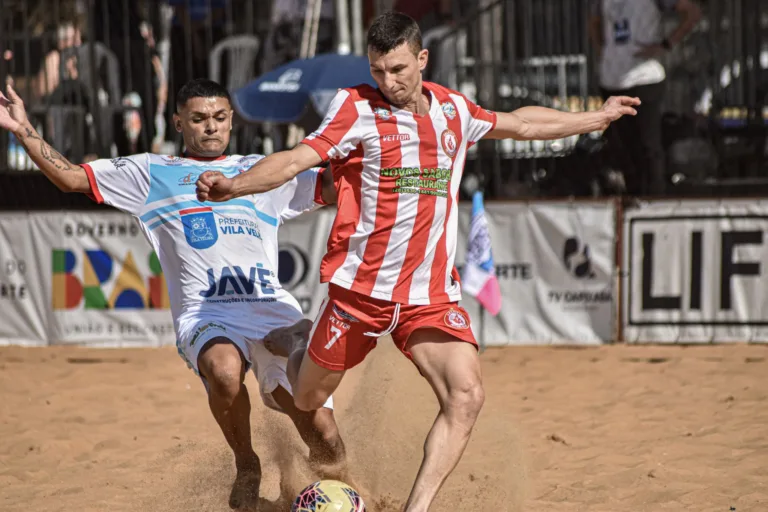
[[220, 262], [629, 39]]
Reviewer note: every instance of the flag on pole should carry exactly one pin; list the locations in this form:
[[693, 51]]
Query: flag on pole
[[479, 279]]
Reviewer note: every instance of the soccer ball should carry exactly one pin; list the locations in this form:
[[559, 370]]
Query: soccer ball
[[328, 496]]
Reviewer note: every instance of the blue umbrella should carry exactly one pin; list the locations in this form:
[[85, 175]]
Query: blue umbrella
[[283, 94]]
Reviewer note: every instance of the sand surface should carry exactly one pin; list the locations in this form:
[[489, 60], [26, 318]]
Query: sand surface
[[613, 428]]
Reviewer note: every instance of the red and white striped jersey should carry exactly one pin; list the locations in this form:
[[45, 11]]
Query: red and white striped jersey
[[397, 176]]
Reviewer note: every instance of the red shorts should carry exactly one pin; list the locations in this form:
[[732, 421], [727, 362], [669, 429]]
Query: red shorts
[[348, 325]]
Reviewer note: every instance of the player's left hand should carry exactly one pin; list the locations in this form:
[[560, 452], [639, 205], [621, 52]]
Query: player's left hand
[[617, 106], [214, 186], [12, 112]]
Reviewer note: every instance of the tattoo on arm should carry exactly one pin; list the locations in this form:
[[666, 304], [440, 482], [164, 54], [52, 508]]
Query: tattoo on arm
[[48, 153]]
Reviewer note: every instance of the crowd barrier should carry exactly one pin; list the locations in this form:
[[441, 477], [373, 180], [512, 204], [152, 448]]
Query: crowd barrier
[[578, 272]]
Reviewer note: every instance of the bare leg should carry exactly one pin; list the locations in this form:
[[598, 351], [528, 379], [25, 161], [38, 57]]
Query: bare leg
[[318, 429], [311, 383], [452, 368], [223, 368]]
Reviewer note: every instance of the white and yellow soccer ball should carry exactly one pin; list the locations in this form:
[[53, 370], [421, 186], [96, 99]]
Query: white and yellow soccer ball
[[328, 496]]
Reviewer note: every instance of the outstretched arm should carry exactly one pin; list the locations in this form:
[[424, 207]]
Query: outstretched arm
[[267, 174], [541, 123], [65, 175]]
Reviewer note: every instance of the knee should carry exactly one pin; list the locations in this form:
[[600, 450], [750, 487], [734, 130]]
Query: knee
[[224, 374], [309, 401], [465, 400]]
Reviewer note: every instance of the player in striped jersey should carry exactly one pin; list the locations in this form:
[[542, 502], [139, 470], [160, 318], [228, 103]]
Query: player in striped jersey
[[398, 152], [220, 263]]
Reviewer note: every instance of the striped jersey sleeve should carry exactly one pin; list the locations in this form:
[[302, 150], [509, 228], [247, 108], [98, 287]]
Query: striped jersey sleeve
[[339, 132], [480, 121]]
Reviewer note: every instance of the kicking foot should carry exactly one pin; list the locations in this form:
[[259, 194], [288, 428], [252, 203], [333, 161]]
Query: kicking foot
[[245, 490], [286, 340]]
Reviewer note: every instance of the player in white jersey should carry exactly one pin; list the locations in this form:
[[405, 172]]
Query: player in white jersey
[[220, 261]]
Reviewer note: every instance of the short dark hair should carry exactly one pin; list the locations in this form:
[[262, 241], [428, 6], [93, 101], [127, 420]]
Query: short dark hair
[[200, 88], [392, 29]]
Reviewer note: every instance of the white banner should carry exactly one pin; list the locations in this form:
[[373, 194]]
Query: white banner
[[91, 278], [696, 272], [23, 311], [555, 265]]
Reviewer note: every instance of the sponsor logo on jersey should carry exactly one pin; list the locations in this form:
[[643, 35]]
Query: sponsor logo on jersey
[[172, 160], [343, 314], [188, 179], [395, 137], [382, 113], [227, 281], [202, 329]]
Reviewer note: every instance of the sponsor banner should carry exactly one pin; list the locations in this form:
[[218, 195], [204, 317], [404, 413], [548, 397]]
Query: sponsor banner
[[92, 278], [23, 311], [696, 272], [554, 262], [555, 267]]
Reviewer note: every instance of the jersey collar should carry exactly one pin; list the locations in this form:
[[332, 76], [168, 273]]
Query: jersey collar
[[203, 159]]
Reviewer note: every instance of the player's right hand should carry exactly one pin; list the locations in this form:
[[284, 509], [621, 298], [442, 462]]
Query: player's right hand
[[214, 186], [12, 112]]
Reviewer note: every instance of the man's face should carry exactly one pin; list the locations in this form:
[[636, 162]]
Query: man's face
[[205, 124], [398, 73]]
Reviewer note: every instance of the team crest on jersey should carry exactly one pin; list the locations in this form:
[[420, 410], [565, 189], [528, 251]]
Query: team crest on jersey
[[450, 142], [199, 227], [456, 319], [171, 160], [449, 109], [382, 113]]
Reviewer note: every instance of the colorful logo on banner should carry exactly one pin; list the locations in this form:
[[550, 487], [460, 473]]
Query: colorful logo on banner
[[130, 290]]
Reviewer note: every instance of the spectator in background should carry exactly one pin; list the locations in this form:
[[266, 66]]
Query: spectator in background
[[161, 86], [117, 25], [68, 35], [65, 83], [628, 37]]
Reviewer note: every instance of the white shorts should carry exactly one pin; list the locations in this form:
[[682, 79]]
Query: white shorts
[[268, 368]]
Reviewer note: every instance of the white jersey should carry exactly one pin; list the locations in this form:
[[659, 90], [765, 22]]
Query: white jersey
[[219, 259]]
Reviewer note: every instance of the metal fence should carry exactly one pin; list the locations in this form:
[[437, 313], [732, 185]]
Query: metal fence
[[716, 95], [99, 77]]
